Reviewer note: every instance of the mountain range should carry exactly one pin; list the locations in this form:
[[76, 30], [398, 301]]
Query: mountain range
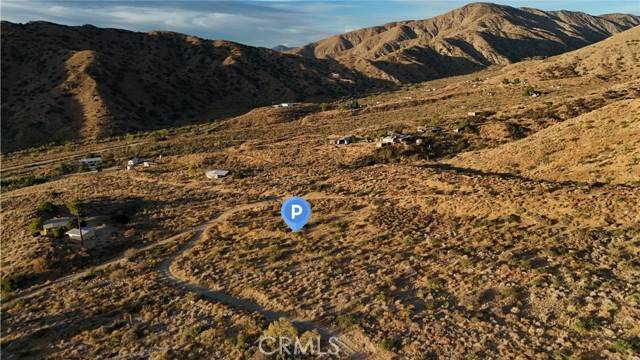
[[62, 83], [463, 40]]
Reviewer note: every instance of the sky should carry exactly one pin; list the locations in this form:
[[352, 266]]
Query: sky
[[264, 22]]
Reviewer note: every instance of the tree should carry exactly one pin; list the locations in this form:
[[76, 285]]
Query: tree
[[528, 91], [46, 206], [35, 226], [75, 208]]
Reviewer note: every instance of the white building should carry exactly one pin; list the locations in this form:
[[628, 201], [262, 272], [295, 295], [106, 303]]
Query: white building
[[216, 174], [87, 233], [136, 161], [283, 105], [387, 141], [133, 161], [55, 223], [345, 140], [91, 163]]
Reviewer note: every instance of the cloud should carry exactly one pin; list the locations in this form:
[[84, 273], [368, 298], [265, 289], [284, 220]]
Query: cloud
[[250, 23], [257, 22]]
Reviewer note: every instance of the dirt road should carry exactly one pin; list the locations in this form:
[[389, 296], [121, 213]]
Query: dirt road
[[348, 350]]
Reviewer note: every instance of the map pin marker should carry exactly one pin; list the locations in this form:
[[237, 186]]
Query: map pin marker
[[296, 212]]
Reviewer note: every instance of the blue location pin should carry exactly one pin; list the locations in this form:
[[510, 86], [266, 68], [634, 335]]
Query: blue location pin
[[296, 212]]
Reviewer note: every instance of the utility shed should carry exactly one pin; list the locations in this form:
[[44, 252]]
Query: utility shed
[[87, 233], [91, 163], [55, 223], [345, 140], [216, 174]]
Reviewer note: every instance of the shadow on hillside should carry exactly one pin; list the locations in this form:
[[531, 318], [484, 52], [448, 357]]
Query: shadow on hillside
[[427, 64], [58, 115]]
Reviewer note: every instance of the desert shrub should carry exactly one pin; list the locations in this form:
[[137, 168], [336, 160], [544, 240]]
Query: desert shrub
[[242, 173], [582, 325], [35, 226], [528, 91], [17, 182], [353, 104], [516, 81], [282, 328], [346, 322], [620, 347], [463, 124], [384, 155], [10, 283], [75, 207], [57, 232], [324, 106], [390, 344], [66, 168], [429, 120], [506, 81], [191, 333], [509, 292], [46, 206]]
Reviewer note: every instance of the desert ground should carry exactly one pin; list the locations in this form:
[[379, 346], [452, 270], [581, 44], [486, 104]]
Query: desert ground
[[512, 231]]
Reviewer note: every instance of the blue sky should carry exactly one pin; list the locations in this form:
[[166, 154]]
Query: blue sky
[[263, 22]]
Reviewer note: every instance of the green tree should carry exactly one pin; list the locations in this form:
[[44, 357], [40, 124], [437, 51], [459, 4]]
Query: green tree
[[75, 208], [46, 206], [528, 91], [35, 225]]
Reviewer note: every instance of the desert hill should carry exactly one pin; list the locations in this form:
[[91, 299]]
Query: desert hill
[[599, 146], [464, 40], [614, 58], [62, 83], [282, 48]]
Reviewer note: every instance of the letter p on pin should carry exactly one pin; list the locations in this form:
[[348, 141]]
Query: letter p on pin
[[296, 212]]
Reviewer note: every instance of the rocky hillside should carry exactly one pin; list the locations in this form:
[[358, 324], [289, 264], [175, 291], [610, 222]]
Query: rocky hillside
[[599, 146], [61, 83], [464, 40]]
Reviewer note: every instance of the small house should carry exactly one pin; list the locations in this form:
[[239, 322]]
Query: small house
[[387, 141], [345, 140], [216, 174], [55, 223], [133, 161], [87, 233], [91, 163], [411, 139]]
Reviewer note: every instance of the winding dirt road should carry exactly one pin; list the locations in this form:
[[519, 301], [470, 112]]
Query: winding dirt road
[[248, 305], [348, 350]]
